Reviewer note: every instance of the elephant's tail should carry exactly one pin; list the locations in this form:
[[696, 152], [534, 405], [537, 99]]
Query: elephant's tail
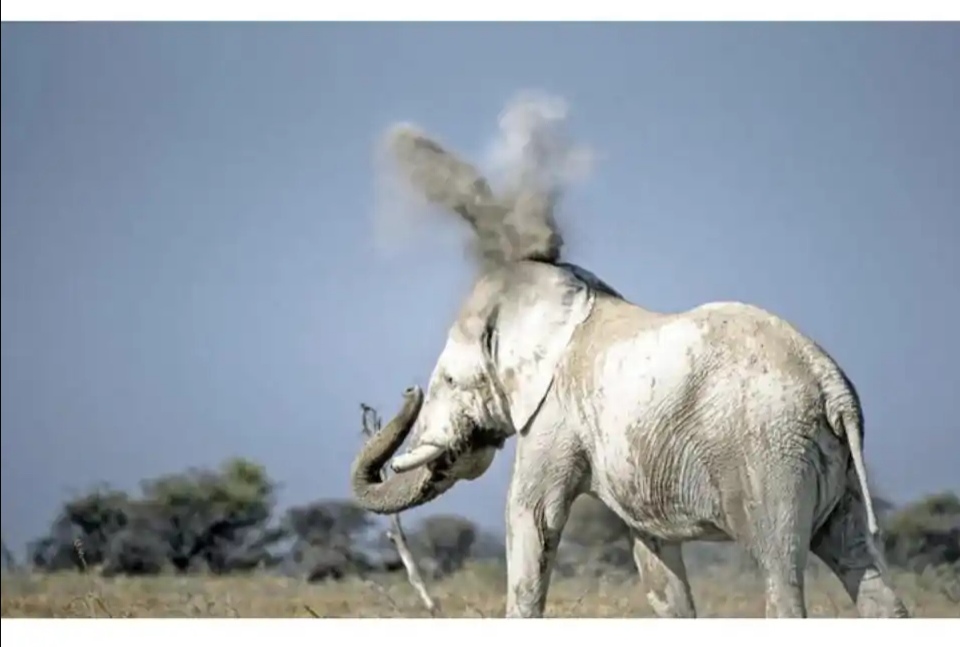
[[847, 421], [850, 424]]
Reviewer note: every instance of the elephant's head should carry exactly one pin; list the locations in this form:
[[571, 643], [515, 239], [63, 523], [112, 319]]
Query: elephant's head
[[501, 354], [492, 376]]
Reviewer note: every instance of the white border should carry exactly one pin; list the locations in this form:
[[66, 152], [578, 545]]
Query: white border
[[476, 632], [886, 10]]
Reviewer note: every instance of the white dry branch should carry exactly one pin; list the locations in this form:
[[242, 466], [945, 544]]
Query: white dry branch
[[371, 426]]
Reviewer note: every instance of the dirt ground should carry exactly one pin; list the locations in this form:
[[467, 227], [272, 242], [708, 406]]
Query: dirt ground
[[475, 592]]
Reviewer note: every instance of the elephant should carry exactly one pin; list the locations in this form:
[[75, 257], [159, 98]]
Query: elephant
[[720, 423], [723, 422]]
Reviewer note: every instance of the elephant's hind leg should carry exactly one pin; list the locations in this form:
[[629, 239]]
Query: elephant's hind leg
[[845, 547], [664, 574], [776, 530]]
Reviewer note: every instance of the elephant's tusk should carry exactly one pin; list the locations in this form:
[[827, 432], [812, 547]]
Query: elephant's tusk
[[416, 457]]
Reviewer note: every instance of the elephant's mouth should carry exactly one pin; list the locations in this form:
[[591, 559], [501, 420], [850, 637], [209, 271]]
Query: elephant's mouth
[[422, 473], [441, 461], [440, 468]]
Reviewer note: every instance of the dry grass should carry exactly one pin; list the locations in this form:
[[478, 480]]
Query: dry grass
[[476, 592]]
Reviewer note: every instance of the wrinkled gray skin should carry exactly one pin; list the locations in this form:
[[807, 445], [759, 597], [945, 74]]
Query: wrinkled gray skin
[[719, 423]]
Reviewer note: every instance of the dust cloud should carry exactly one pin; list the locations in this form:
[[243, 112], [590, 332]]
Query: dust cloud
[[510, 201]]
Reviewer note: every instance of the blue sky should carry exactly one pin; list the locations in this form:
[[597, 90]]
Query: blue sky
[[189, 269]]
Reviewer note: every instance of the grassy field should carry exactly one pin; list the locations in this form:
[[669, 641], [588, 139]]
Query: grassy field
[[476, 592]]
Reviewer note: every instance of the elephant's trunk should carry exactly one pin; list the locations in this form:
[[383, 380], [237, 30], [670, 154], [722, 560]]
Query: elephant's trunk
[[399, 491]]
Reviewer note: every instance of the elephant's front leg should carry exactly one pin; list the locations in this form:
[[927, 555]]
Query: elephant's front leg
[[537, 507], [533, 533]]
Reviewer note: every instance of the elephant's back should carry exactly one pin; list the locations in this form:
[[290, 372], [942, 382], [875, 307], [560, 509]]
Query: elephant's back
[[765, 369], [727, 357]]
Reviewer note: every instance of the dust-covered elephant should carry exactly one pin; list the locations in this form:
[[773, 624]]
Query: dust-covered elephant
[[719, 423]]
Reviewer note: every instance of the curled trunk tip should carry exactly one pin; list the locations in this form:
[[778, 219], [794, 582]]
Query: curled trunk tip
[[399, 491]]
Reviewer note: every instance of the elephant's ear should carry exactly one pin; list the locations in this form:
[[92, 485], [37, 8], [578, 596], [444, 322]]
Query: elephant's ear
[[532, 330]]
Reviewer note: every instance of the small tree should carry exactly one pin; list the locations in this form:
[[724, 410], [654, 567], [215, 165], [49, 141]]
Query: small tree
[[925, 533], [330, 537], [448, 540], [81, 533], [214, 519]]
